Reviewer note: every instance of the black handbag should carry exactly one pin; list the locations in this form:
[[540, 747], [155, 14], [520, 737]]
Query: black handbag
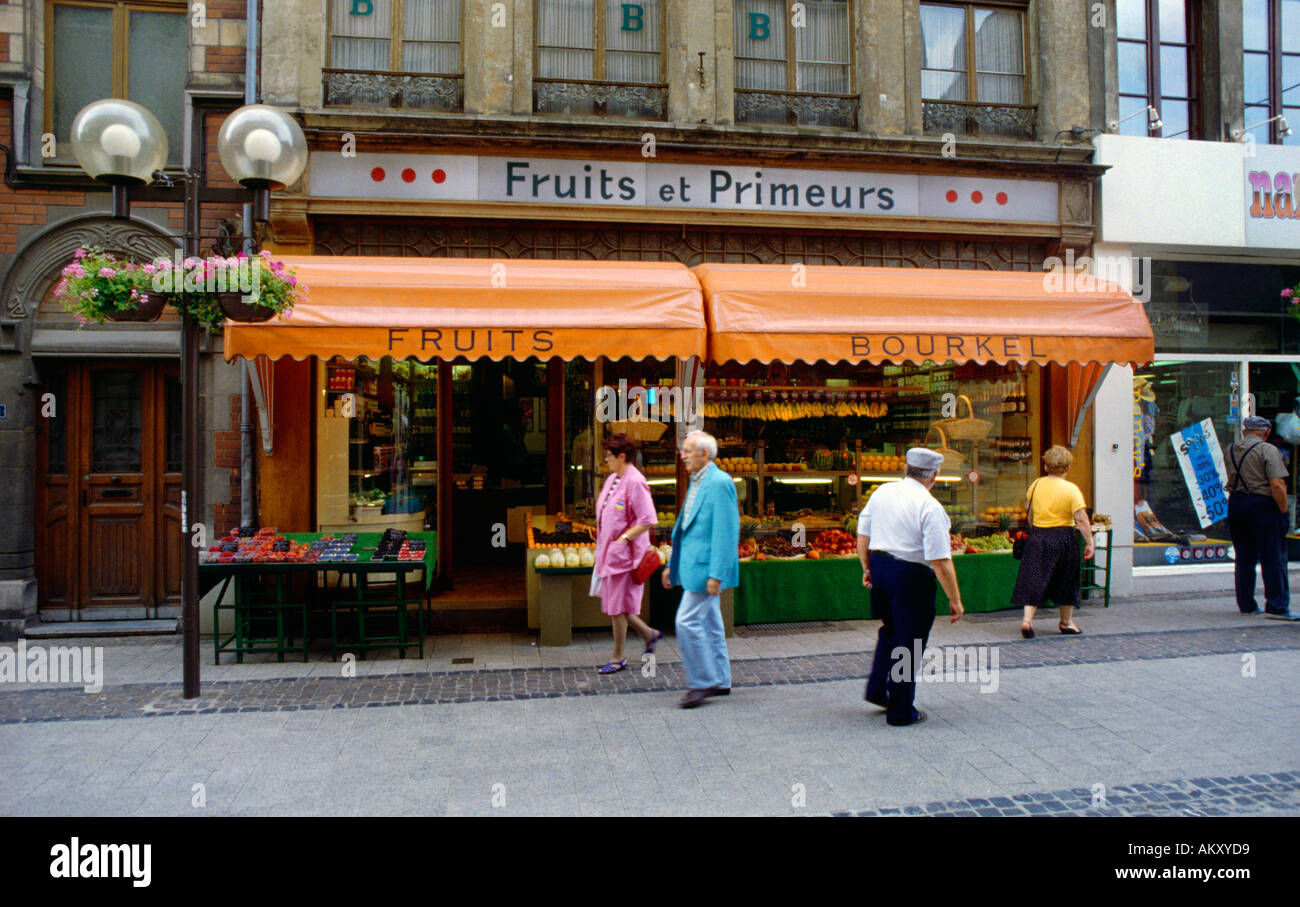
[[1018, 546]]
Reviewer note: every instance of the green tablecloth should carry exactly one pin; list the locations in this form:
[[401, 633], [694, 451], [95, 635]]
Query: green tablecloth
[[772, 591], [365, 540]]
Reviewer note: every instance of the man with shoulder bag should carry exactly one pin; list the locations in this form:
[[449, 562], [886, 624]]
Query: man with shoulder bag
[[1257, 519]]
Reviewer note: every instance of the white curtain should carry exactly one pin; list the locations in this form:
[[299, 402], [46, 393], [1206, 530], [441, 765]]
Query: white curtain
[[822, 47], [999, 56], [632, 56], [760, 44], [431, 36], [361, 42], [566, 34], [943, 64]]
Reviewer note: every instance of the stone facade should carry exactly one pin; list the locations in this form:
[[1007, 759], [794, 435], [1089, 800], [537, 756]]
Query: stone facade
[[47, 209]]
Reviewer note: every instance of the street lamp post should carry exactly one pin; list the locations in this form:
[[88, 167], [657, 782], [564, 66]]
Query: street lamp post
[[122, 144]]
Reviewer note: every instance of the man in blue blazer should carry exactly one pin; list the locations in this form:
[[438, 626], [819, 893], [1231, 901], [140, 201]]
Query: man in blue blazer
[[705, 561]]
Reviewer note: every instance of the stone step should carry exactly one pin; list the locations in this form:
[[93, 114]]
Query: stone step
[[76, 628]]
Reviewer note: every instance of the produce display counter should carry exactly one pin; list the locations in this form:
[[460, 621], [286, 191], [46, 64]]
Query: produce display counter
[[831, 588], [270, 611], [559, 600]]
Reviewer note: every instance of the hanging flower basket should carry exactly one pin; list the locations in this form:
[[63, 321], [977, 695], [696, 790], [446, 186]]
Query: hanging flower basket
[[239, 288], [149, 310], [99, 287], [235, 308]]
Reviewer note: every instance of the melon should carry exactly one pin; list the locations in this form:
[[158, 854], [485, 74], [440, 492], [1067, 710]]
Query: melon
[[587, 559], [571, 559], [542, 561]]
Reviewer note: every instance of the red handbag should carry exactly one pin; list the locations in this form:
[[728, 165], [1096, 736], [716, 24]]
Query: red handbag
[[649, 564]]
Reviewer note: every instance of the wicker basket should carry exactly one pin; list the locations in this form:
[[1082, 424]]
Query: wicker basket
[[953, 460], [965, 429], [641, 432]]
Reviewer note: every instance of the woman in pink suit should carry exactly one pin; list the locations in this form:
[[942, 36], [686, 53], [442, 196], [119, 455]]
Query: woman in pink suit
[[625, 514]]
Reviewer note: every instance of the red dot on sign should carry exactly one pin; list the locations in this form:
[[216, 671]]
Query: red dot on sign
[[377, 174], [977, 196], [439, 175], [408, 175], [1002, 198], [952, 195]]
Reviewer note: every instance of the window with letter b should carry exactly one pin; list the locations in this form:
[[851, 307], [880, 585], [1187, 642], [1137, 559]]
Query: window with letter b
[[792, 62], [600, 57]]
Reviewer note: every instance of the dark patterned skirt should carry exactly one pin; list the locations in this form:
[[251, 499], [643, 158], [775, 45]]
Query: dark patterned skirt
[[1051, 568]]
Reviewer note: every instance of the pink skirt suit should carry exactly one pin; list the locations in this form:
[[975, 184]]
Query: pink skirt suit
[[622, 504]]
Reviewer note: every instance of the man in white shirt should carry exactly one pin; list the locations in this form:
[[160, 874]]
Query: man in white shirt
[[903, 544]]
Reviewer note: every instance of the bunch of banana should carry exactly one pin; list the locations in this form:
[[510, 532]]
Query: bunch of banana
[[781, 411]]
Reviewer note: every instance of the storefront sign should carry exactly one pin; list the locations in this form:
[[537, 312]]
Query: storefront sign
[[1139, 434], [1201, 459], [980, 347], [439, 177], [1272, 175]]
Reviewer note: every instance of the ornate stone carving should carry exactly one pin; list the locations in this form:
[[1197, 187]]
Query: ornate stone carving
[[37, 267], [1076, 203], [690, 245], [810, 109], [345, 88], [642, 101], [974, 119]]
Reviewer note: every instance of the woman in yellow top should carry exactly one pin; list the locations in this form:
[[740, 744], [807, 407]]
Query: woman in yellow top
[[1050, 566]]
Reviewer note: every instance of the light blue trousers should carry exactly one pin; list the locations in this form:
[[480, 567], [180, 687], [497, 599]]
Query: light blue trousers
[[702, 641]]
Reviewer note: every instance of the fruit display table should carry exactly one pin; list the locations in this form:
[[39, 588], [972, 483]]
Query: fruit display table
[[255, 611], [559, 600], [831, 589]]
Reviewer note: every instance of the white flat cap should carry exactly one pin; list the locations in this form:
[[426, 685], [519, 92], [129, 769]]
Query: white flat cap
[[924, 458]]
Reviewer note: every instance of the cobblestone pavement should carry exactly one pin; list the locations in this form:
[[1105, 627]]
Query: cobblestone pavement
[[439, 687], [1177, 708], [1195, 797]]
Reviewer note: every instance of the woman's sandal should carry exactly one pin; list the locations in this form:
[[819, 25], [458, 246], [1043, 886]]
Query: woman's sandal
[[1069, 631], [1027, 633], [650, 646], [612, 667]]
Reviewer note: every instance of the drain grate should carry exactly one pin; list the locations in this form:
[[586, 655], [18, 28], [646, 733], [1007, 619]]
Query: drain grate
[[462, 661], [789, 627]]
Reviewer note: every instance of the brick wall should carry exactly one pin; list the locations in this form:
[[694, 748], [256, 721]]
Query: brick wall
[[219, 47], [29, 206], [226, 456]]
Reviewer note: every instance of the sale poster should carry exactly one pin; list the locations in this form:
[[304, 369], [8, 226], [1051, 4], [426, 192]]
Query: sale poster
[[1201, 459]]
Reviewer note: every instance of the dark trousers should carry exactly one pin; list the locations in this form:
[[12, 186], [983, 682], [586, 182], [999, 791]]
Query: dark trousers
[[902, 596], [1259, 536]]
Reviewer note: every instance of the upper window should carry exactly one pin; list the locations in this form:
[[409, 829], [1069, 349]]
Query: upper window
[[395, 53], [1271, 40], [1157, 68], [602, 57], [973, 77], [792, 63], [133, 50]]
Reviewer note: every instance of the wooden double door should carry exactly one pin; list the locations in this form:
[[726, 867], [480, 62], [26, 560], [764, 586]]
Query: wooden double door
[[108, 490]]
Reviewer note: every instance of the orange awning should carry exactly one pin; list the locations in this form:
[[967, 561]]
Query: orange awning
[[442, 308], [789, 313]]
